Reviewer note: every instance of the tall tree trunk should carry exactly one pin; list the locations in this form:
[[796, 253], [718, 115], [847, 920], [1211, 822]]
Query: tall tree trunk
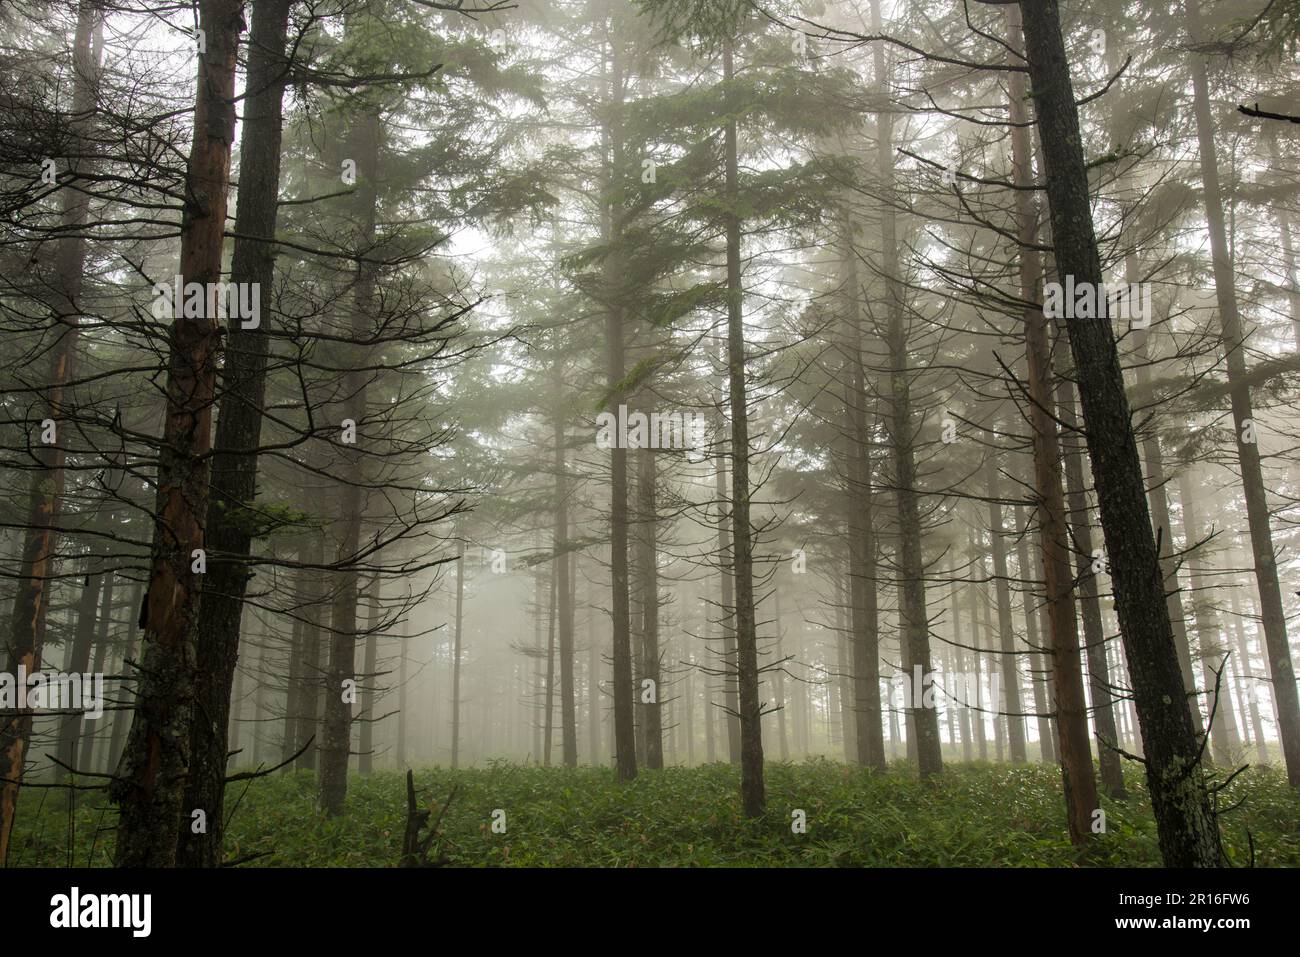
[[864, 616], [455, 654], [624, 722], [565, 559], [961, 707], [1251, 693], [1158, 497], [369, 676], [236, 715], [1184, 818], [403, 727], [648, 578], [1030, 574], [1094, 634], [149, 788], [336, 729], [260, 672], [45, 491], [1006, 634], [727, 613], [973, 592], [597, 757], [548, 736], [1285, 233], [103, 639], [121, 715], [1223, 730], [915, 622], [991, 704], [292, 689], [783, 740], [842, 694], [1281, 668], [688, 708], [1067, 673], [77, 660], [753, 797], [710, 746], [312, 596], [238, 435]]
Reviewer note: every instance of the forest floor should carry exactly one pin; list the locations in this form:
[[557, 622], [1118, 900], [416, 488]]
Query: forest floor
[[974, 815]]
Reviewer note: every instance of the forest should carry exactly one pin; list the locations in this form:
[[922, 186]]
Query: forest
[[649, 433]]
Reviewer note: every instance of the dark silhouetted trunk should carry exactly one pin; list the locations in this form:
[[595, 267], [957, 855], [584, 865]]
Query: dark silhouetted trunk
[[150, 785], [238, 434], [914, 623], [624, 722], [1184, 819], [726, 613], [753, 797], [336, 728]]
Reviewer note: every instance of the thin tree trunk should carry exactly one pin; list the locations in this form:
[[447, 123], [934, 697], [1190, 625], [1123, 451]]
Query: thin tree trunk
[[369, 675], [992, 704], [455, 654], [1281, 667], [1006, 634], [731, 703], [313, 681], [648, 581], [45, 491], [293, 689], [1251, 693], [78, 659], [981, 738], [842, 685], [752, 792], [89, 736], [1223, 730], [593, 684], [864, 610], [548, 736], [782, 739], [1042, 676], [1094, 634], [624, 722], [958, 655], [688, 695], [1283, 213], [336, 728], [122, 714], [915, 623], [565, 559]]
